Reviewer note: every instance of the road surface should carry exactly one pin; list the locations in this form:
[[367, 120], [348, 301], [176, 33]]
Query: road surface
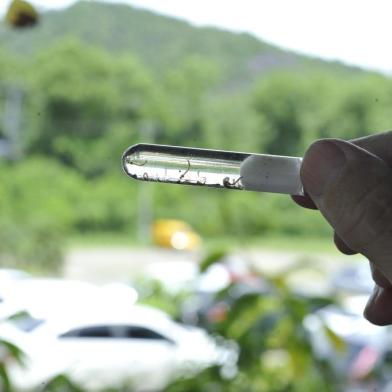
[[122, 264]]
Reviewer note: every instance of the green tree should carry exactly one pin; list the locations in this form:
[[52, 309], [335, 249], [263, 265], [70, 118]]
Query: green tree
[[297, 109], [287, 104], [364, 107], [279, 102], [82, 99], [231, 123], [187, 88]]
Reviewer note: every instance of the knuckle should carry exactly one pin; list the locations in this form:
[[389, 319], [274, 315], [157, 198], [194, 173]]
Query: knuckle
[[369, 220], [373, 318]]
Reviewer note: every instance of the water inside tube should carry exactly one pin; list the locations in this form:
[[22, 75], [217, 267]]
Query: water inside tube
[[214, 168], [184, 169]]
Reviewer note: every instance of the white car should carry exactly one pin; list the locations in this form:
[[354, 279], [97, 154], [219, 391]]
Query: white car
[[9, 277], [141, 348], [47, 297]]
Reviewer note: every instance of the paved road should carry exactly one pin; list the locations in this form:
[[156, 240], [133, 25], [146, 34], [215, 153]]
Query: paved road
[[108, 264]]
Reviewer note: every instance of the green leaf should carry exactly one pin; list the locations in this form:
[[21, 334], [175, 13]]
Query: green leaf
[[15, 351], [61, 383], [5, 381], [212, 258], [337, 342]]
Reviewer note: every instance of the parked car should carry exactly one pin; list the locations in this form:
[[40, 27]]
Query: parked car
[[97, 348], [45, 297], [175, 234], [9, 276]]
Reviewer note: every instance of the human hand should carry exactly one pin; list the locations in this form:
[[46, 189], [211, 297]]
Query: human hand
[[351, 184]]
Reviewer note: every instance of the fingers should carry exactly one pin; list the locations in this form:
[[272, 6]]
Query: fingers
[[379, 278], [375, 144], [304, 201], [378, 309], [352, 188], [378, 145], [342, 246], [351, 184]]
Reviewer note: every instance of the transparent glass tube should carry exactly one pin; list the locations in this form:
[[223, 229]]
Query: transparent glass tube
[[213, 168]]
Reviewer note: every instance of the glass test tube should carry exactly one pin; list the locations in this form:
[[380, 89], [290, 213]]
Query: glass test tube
[[214, 168]]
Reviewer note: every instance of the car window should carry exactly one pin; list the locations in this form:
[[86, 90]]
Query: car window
[[25, 322], [115, 332], [88, 332], [134, 332]]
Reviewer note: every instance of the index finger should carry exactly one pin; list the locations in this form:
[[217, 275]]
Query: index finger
[[379, 144]]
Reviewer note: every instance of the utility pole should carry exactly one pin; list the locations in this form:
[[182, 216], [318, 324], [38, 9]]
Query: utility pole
[[12, 121]]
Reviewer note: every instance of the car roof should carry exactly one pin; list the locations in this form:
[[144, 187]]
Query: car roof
[[44, 298], [13, 273], [66, 305], [136, 315]]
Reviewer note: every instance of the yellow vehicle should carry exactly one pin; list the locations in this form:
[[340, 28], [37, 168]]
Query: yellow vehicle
[[170, 233]]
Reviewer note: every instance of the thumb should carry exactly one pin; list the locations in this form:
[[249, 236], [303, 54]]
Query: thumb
[[353, 190]]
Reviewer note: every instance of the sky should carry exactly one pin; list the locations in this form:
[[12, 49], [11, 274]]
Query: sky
[[357, 32]]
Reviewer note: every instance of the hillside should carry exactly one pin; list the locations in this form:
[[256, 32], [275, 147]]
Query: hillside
[[160, 41]]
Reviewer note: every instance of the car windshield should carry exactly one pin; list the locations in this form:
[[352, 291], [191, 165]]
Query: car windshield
[[25, 322]]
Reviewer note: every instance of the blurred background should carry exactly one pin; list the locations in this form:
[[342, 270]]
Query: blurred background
[[111, 284]]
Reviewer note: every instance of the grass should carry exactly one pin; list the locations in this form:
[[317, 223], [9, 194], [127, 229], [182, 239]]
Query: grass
[[87, 240], [282, 242]]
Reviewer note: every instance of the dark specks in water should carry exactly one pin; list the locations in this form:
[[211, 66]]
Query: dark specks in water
[[232, 184], [186, 171], [137, 163]]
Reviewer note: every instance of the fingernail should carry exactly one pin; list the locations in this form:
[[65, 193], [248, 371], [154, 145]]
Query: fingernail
[[321, 165]]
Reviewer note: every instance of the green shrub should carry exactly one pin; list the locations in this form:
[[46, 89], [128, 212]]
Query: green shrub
[[37, 246]]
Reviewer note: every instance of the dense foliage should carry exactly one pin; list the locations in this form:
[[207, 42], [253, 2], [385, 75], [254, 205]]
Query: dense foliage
[[160, 42], [83, 105]]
